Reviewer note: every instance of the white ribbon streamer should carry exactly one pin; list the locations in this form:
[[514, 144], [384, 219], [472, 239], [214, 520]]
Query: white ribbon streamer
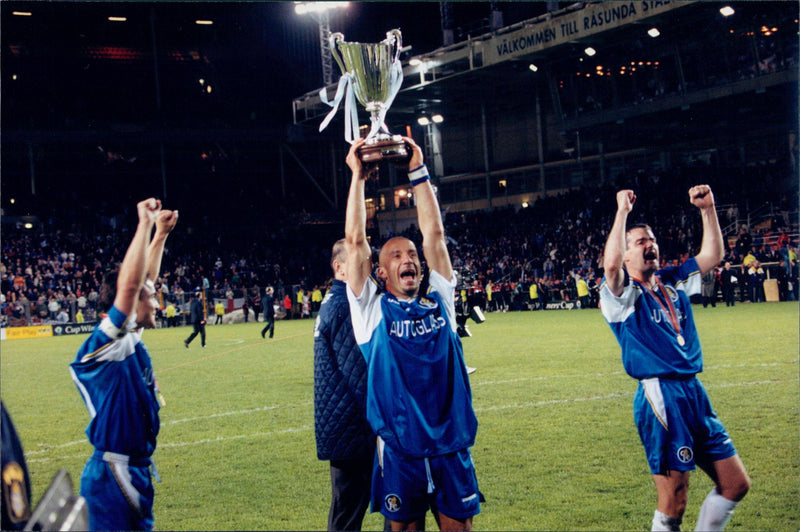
[[343, 90]]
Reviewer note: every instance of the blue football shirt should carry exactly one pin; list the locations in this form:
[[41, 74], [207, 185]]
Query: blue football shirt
[[114, 374], [650, 344], [419, 399]]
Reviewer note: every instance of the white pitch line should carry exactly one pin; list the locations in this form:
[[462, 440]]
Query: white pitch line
[[545, 378], [236, 437], [554, 402], [615, 373], [604, 397], [236, 413], [531, 404], [41, 451]]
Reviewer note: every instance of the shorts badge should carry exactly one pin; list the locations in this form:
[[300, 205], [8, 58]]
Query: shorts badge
[[392, 502], [685, 454]]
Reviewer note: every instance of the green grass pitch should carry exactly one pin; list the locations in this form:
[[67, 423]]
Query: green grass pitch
[[556, 446]]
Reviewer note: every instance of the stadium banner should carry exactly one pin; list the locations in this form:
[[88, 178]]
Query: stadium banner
[[562, 305], [73, 328], [17, 333], [602, 16]]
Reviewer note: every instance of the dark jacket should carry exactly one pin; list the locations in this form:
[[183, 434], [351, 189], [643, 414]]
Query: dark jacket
[[268, 302], [340, 383], [15, 477], [195, 311]]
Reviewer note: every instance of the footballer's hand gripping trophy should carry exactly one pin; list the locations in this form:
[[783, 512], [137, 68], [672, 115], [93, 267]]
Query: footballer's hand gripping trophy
[[373, 73]]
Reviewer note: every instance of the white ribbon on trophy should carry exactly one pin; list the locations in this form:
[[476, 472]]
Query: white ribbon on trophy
[[343, 90]]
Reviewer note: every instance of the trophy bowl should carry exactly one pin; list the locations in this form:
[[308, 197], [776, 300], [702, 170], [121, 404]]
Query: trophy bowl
[[377, 75]]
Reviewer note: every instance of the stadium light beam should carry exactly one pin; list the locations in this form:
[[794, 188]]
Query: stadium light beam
[[320, 10], [304, 8]]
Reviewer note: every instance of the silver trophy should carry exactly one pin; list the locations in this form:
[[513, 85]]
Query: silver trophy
[[376, 74]]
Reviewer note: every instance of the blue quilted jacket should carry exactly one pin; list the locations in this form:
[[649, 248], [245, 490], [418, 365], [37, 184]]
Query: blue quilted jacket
[[340, 383]]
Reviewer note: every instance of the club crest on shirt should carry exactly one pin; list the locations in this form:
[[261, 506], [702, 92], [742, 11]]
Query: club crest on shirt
[[673, 294], [685, 454], [392, 502], [427, 303]]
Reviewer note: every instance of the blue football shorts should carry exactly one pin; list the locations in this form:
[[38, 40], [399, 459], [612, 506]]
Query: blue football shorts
[[119, 496], [404, 488], [678, 426]]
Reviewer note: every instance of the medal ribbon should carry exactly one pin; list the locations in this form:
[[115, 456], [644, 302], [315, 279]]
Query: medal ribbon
[[669, 310]]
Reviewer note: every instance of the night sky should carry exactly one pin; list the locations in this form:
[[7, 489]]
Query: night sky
[[85, 106]]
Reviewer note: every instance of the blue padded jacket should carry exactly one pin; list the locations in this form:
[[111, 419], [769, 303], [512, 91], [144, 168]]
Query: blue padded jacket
[[340, 383]]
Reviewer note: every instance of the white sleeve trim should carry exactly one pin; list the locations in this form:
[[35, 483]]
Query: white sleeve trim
[[365, 311], [447, 290], [617, 309]]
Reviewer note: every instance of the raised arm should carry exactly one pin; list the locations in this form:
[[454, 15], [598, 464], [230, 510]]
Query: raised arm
[[359, 254], [165, 223], [712, 250], [429, 217], [133, 269], [615, 245]]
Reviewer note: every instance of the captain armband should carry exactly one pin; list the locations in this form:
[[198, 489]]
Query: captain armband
[[418, 175]]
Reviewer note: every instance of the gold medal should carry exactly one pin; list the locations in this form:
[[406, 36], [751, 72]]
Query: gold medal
[[681, 341]]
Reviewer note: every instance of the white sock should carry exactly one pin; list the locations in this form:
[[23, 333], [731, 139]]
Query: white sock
[[715, 512], [665, 523]]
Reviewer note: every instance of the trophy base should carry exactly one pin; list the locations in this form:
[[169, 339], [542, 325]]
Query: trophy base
[[383, 147]]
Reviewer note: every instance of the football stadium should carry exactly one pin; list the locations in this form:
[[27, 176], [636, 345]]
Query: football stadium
[[585, 296]]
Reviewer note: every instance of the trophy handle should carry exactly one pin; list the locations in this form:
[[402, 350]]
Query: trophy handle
[[333, 40], [397, 37]]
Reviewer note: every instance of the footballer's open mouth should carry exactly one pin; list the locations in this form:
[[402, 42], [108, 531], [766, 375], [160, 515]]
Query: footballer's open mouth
[[408, 273], [650, 255]]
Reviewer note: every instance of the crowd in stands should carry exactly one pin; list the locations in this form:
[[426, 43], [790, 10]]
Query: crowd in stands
[[51, 276]]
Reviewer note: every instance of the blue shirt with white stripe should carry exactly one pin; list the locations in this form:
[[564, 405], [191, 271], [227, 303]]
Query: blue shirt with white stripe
[[114, 374], [419, 399], [642, 326]]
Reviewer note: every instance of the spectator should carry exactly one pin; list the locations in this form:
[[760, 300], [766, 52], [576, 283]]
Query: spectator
[[219, 312]]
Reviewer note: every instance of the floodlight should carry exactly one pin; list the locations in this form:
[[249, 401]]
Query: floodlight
[[302, 8]]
